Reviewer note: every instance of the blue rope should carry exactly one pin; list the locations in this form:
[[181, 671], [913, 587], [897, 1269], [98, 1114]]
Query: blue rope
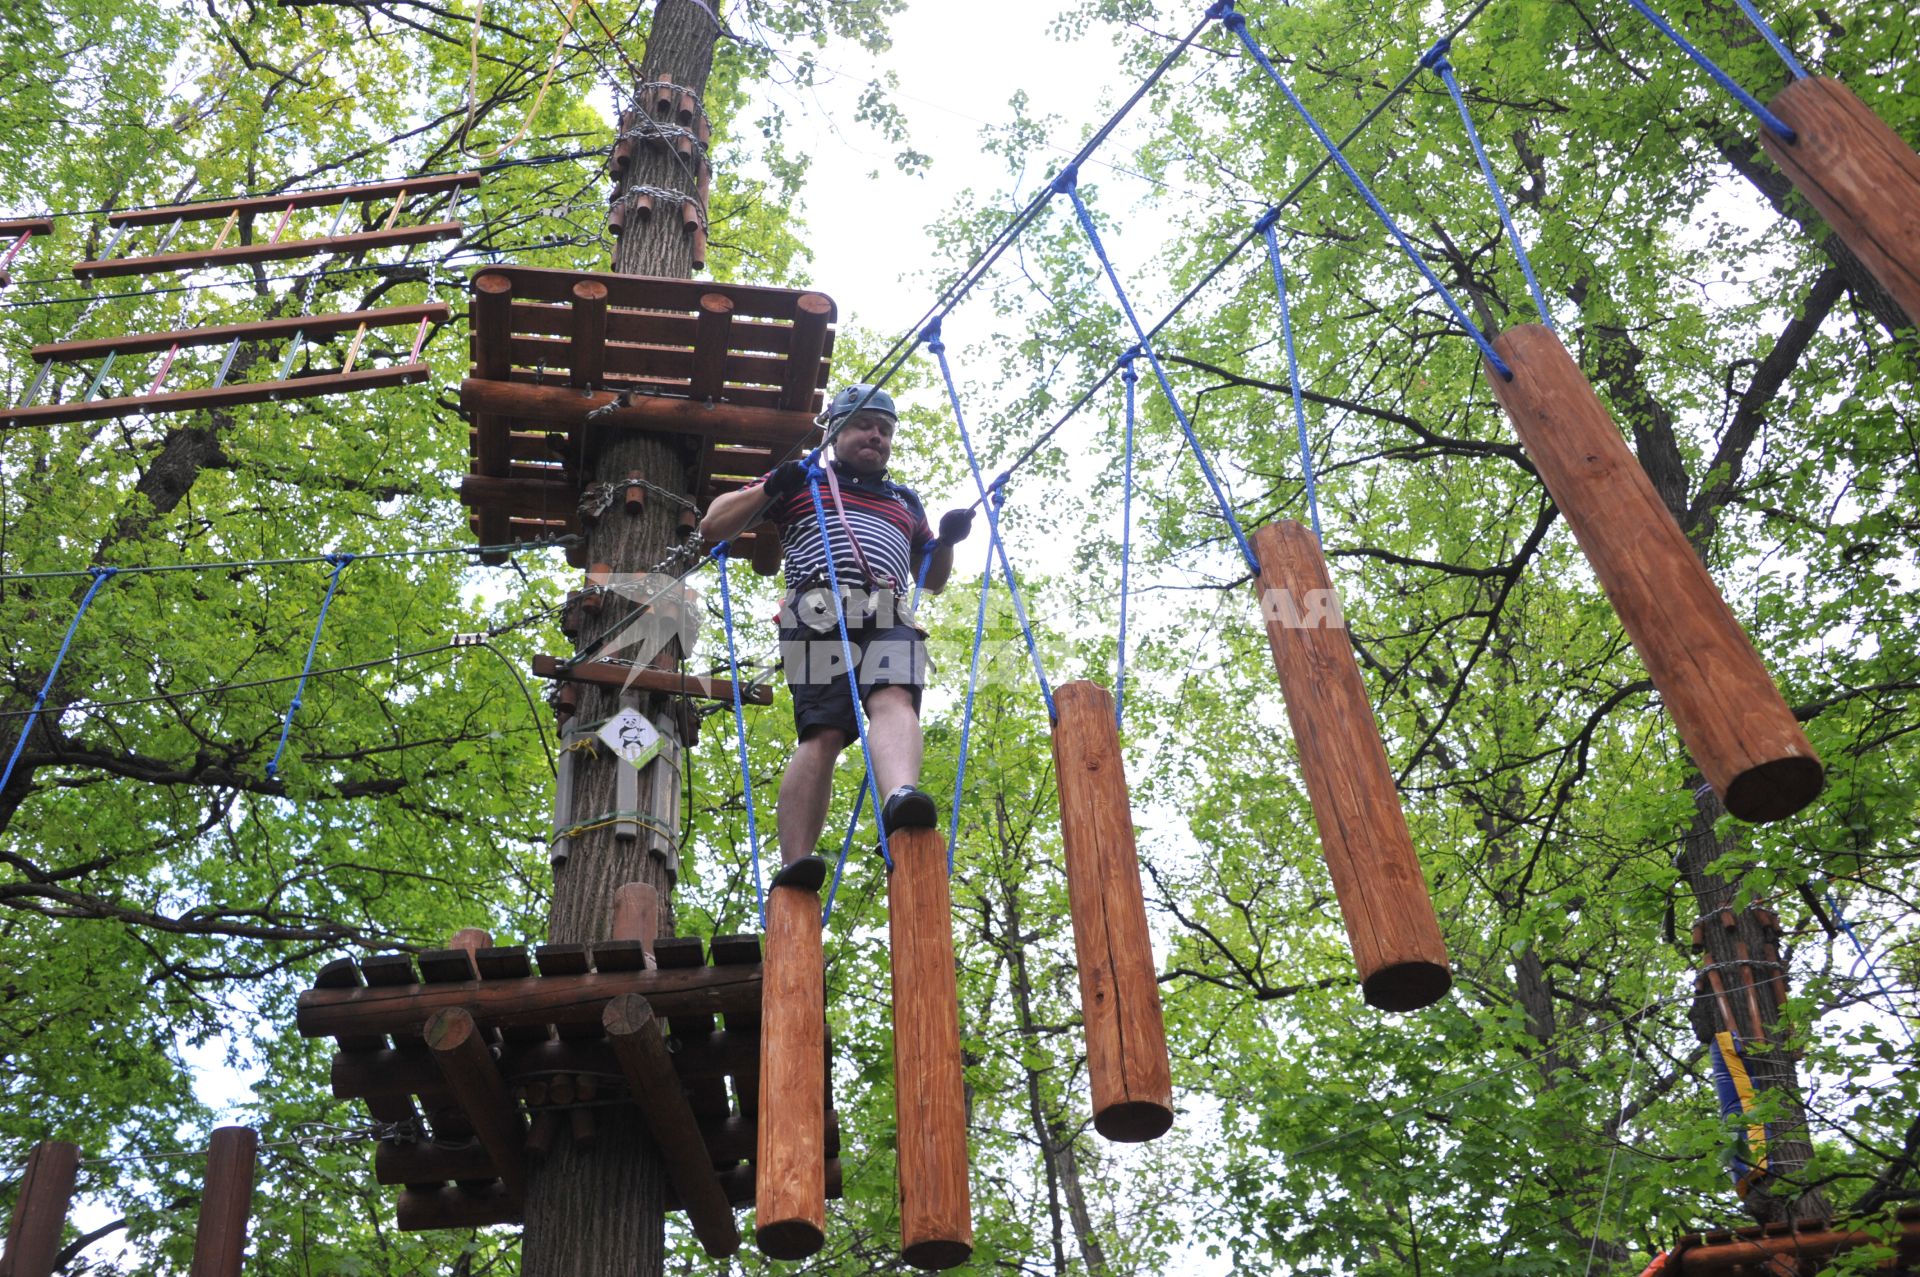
[[1069, 182], [1873, 971], [846, 845], [1132, 379], [1237, 24], [1436, 61], [339, 562], [846, 649], [1720, 77], [740, 727], [966, 715], [100, 577], [1293, 376], [938, 348], [1766, 31]]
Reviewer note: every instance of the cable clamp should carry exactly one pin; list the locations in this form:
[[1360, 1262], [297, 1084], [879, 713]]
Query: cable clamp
[[475, 638]]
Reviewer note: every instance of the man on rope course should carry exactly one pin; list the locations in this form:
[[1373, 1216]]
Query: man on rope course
[[878, 530]]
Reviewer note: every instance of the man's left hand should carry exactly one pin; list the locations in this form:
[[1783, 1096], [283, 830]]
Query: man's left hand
[[955, 525]]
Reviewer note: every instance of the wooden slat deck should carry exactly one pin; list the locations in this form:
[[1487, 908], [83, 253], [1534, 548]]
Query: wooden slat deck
[[547, 1027], [560, 356]]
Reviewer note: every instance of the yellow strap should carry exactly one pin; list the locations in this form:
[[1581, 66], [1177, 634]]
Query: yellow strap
[[1743, 1087]]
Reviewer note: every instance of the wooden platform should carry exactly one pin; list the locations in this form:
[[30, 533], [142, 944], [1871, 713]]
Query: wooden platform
[[1777, 1249], [505, 1051], [737, 371]]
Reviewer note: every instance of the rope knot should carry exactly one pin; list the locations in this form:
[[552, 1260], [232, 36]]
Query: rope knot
[[101, 573], [1069, 177], [719, 553], [931, 335], [1435, 59], [339, 559], [1235, 22], [1125, 364], [1267, 220], [1221, 9]]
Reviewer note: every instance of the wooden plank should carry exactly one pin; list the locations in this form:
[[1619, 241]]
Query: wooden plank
[[1860, 174], [551, 1000], [589, 348], [226, 1203], [432, 1162], [564, 406], [1127, 1062], [653, 292], [221, 334], [460, 1049], [660, 328], [930, 1111], [563, 959], [338, 383], [510, 962], [40, 1209], [242, 254], [806, 370], [202, 210], [790, 1220], [642, 1049], [13, 228], [708, 375], [418, 1211], [1383, 896], [1732, 718], [618, 677], [731, 374], [541, 499]]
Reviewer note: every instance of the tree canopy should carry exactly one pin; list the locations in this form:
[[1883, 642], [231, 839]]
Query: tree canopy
[[162, 899]]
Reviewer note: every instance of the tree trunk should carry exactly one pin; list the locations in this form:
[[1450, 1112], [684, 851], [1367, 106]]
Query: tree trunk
[[596, 1211]]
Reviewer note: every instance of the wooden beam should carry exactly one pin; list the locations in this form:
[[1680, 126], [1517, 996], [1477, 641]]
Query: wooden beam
[[930, 1110], [1860, 174], [203, 210], [555, 1000], [812, 313], [737, 378], [1391, 926], [608, 674], [659, 328], [40, 1210], [226, 1203], [241, 254], [386, 1073], [460, 1049], [220, 334], [1806, 1248], [708, 378], [420, 1210], [542, 499], [653, 292], [14, 227], [1127, 1061], [589, 362], [790, 1220], [668, 414], [1732, 718], [642, 1049], [337, 383]]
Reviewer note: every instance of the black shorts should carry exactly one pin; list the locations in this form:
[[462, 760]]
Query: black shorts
[[816, 669]]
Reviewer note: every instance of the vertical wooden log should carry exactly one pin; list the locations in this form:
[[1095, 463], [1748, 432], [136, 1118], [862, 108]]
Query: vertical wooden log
[[492, 323], [642, 1050], [1861, 176], [790, 1211], [636, 914], [226, 1203], [936, 1220], [589, 345], [1119, 990], [712, 335], [33, 1236], [812, 312], [1363, 833], [1740, 732]]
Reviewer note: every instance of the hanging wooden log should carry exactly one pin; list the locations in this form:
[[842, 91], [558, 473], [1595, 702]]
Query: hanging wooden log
[[460, 1049], [936, 1220], [1740, 732], [642, 1049], [791, 1218], [226, 1203], [39, 1212], [1383, 896], [1119, 991], [1858, 172]]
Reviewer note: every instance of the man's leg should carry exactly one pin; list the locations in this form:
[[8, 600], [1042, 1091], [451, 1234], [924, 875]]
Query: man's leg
[[807, 789], [893, 730]]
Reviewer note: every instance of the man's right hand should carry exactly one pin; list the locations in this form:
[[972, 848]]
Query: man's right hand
[[784, 480]]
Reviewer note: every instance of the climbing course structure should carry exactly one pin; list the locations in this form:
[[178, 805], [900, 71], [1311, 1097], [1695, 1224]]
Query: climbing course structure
[[20, 230]]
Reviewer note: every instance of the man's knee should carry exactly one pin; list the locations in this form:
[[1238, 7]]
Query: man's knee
[[824, 743], [891, 699]]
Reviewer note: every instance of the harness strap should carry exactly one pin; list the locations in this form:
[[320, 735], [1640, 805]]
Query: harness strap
[[840, 509]]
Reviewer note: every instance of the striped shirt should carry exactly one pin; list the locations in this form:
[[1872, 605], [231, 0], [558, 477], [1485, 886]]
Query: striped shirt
[[886, 516]]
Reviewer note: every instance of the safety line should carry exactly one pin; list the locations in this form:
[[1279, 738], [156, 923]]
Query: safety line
[[1721, 78], [340, 564], [1132, 380], [100, 577], [1293, 380], [966, 714], [740, 726]]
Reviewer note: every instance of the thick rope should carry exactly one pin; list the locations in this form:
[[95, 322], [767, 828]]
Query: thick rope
[[339, 562], [853, 669], [740, 731], [966, 714], [846, 845], [1720, 77], [1132, 380], [1293, 378], [1767, 33], [1873, 971], [100, 577], [1069, 182], [1436, 60], [938, 348], [1237, 24]]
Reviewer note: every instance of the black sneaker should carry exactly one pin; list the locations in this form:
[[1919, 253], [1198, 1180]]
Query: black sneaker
[[806, 873], [909, 808]]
